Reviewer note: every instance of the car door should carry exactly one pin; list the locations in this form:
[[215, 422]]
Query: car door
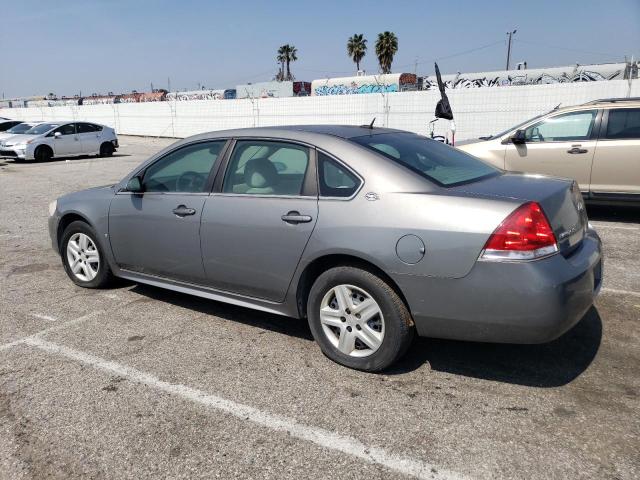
[[89, 137], [68, 142], [258, 221], [562, 145], [616, 165], [157, 231]]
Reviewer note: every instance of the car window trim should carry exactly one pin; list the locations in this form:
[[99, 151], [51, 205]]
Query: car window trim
[[346, 167], [210, 179], [594, 131], [309, 183]]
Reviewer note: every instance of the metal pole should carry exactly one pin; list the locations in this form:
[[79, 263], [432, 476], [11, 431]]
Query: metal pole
[[510, 34]]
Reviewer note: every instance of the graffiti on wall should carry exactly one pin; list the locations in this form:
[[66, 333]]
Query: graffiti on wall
[[577, 73], [389, 83], [354, 88]]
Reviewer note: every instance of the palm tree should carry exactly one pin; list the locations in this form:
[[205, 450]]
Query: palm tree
[[281, 60], [386, 48], [356, 48], [287, 54]]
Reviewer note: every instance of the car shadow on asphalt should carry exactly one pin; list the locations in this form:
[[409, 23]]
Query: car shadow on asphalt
[[547, 365], [267, 321], [605, 213]]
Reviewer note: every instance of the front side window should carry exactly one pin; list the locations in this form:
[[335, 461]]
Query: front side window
[[623, 123], [266, 168], [68, 129], [433, 160], [335, 180], [562, 128], [185, 170]]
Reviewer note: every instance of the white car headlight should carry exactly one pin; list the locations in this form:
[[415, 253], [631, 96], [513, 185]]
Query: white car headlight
[[52, 207]]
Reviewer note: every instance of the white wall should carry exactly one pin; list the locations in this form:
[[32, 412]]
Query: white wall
[[477, 112]]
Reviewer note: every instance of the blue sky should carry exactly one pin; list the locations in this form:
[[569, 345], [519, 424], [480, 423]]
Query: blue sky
[[99, 46]]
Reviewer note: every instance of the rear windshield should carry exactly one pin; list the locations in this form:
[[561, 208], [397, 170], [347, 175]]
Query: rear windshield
[[431, 159]]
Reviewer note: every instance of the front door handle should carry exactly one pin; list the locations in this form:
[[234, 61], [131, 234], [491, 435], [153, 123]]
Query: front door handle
[[575, 149], [183, 211], [294, 217]]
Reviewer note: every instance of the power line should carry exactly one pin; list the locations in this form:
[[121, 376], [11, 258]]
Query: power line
[[556, 47], [453, 55]]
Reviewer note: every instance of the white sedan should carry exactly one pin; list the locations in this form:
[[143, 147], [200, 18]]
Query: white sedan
[[60, 139]]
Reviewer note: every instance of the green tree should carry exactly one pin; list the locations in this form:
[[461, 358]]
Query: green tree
[[386, 48], [357, 48]]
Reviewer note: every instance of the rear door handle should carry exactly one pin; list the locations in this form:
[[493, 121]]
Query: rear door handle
[[183, 211], [294, 217], [575, 149]]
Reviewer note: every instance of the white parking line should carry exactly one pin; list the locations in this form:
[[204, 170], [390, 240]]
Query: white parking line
[[60, 326], [617, 227], [44, 317], [621, 292], [319, 436]]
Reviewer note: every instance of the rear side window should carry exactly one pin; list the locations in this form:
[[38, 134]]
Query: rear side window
[[260, 167], [430, 159], [86, 128], [4, 126], [623, 123], [334, 179]]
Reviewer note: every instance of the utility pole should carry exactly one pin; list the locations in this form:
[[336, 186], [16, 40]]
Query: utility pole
[[510, 34]]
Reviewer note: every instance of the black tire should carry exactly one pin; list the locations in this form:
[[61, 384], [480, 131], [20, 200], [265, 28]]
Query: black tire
[[398, 325], [106, 149], [43, 154], [104, 277]]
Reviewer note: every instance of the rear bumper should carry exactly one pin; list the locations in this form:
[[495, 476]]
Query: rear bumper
[[528, 302]]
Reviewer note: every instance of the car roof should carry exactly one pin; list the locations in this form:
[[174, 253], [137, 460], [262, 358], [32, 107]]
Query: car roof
[[294, 131]]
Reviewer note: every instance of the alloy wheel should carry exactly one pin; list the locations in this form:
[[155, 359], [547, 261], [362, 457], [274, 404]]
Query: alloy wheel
[[83, 257]]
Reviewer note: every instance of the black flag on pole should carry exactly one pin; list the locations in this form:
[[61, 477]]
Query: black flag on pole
[[443, 108]]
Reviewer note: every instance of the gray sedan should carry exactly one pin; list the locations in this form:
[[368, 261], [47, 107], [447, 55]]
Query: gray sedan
[[371, 234]]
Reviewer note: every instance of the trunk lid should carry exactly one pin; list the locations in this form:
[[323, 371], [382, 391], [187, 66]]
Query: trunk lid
[[559, 198]]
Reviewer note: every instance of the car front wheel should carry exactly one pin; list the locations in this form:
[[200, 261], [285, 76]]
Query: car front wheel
[[358, 319], [82, 258]]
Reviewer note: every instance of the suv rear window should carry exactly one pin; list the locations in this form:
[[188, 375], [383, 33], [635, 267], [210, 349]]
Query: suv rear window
[[430, 159], [624, 123]]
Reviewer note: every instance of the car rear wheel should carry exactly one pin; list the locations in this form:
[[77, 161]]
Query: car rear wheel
[[43, 154], [106, 149], [358, 319], [82, 258]]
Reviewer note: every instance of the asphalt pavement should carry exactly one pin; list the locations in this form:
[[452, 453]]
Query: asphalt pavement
[[140, 382]]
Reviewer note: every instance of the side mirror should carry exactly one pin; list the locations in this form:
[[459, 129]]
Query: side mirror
[[57, 135], [134, 185], [518, 137]]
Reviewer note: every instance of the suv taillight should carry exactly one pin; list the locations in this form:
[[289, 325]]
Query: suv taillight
[[524, 235]]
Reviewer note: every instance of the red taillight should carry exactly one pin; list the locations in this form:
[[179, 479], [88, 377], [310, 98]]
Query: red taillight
[[523, 235]]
